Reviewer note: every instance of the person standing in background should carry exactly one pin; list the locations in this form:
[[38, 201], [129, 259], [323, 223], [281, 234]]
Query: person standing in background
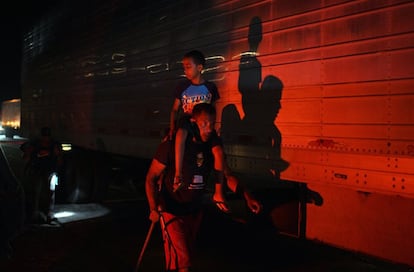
[[43, 160]]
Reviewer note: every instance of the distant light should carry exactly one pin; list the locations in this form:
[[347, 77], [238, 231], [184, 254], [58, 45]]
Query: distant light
[[14, 124], [66, 147]]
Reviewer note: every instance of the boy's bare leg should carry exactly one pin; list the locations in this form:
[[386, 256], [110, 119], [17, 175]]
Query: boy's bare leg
[[219, 168], [180, 138]]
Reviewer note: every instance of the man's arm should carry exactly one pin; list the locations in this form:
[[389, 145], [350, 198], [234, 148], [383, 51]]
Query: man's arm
[[235, 186], [28, 149], [219, 195], [151, 188], [218, 154]]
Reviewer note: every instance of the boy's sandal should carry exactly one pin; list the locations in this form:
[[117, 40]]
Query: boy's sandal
[[222, 206]]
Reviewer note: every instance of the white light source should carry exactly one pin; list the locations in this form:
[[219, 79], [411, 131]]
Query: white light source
[[66, 147], [63, 214]]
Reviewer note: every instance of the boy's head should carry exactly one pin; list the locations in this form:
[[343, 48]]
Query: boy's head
[[193, 64], [197, 57], [204, 115]]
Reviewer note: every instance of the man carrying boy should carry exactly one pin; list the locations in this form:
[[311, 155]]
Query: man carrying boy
[[180, 212]]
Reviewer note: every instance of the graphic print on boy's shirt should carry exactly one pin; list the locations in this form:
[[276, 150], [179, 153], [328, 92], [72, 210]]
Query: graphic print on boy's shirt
[[194, 95]]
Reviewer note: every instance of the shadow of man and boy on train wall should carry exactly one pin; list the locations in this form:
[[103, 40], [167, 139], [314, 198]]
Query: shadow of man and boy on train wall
[[257, 134]]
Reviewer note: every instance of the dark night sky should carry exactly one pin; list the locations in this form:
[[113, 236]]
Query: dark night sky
[[10, 26], [13, 18]]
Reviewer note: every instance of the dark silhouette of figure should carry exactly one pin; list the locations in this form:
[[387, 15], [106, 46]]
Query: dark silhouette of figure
[[261, 104], [260, 99], [43, 158], [257, 133]]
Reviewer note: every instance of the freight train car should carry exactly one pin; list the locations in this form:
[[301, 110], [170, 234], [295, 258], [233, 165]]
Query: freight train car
[[316, 93]]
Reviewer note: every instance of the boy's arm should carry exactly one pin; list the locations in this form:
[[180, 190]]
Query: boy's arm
[[173, 116]]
